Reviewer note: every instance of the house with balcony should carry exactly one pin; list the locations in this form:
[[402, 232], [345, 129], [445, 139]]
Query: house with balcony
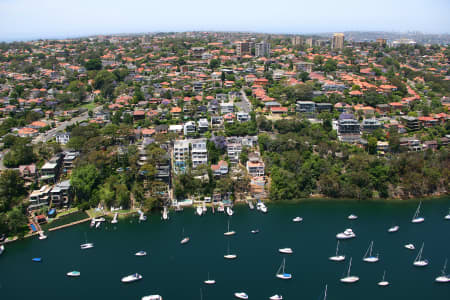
[[202, 125], [181, 154], [370, 125], [39, 198], [349, 129], [189, 128], [255, 167], [62, 138], [220, 169], [226, 107], [61, 194], [199, 153], [242, 116]]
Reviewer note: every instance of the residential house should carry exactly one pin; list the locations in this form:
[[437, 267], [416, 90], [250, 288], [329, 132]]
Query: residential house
[[370, 125], [220, 169], [62, 138], [181, 153], [226, 107], [242, 116], [61, 194], [255, 166], [202, 125], [199, 153], [39, 198], [189, 128], [307, 107]]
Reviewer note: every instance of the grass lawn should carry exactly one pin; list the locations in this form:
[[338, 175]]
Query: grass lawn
[[89, 106], [79, 215]]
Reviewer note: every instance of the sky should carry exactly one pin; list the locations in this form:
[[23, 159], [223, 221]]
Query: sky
[[34, 19]]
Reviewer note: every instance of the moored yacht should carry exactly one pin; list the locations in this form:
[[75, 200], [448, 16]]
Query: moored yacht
[[347, 234], [209, 281], [383, 282], [37, 259], [229, 232], [229, 211], [254, 231], [368, 257], [285, 250], [241, 295], [444, 276], [141, 253], [42, 236], [416, 218], [447, 216], [281, 272], [410, 246], [131, 278], [352, 217], [419, 262], [86, 246], [276, 297], [152, 297], [73, 273], [2, 248], [229, 255], [199, 210], [297, 219], [393, 229], [114, 220], [261, 207], [185, 239], [337, 257], [349, 278]]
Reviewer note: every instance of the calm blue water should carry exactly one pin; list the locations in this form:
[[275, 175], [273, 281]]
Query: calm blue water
[[177, 271]]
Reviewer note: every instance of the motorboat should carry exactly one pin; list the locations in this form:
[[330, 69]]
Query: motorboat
[[337, 257], [86, 246], [199, 210], [393, 229], [410, 247], [286, 250], [261, 207], [93, 221], [114, 220], [419, 262], [254, 231], [141, 253], [349, 278], [352, 217], [383, 282], [73, 274], [142, 217], [347, 234], [297, 219], [447, 216], [165, 214], [42, 236], [281, 271], [229, 232], [416, 218], [152, 297], [368, 257], [229, 211], [131, 278], [276, 297], [37, 259], [2, 249], [184, 240], [241, 295], [98, 224], [444, 276]]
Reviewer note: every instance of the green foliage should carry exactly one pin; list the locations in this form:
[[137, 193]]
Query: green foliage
[[21, 153], [93, 64], [84, 180]]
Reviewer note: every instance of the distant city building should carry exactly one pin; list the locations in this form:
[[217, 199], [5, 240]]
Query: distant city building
[[381, 42], [309, 42], [262, 49], [304, 66], [400, 42], [243, 48], [296, 40], [337, 41]]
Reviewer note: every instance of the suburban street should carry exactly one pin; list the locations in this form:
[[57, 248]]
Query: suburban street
[[244, 105]]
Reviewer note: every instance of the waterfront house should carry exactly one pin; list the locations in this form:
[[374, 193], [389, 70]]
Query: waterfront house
[[199, 153], [39, 198], [61, 194]]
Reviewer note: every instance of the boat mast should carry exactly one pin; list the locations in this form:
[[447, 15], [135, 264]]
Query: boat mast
[[349, 266], [325, 295], [419, 256]]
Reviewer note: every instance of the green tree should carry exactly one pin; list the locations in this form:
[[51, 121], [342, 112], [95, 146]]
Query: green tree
[[84, 180], [93, 64]]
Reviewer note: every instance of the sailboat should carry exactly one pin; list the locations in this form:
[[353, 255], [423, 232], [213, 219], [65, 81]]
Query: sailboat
[[393, 229], [419, 262], [325, 293], [86, 245], [232, 232], [337, 257], [209, 281], [165, 214], [114, 220], [416, 218], [276, 297], [241, 295], [383, 282], [199, 210], [184, 239], [281, 273], [229, 255], [444, 277], [73, 274], [368, 257], [229, 211], [348, 278]]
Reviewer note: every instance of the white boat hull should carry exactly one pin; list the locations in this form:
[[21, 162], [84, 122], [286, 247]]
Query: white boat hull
[[418, 220], [410, 247], [184, 241], [284, 276], [230, 256], [337, 258], [86, 246], [228, 233], [447, 217], [297, 219], [420, 263], [73, 274], [152, 297], [350, 279], [443, 279], [209, 281], [131, 278], [276, 297], [393, 229], [241, 295], [383, 283], [371, 259], [342, 236], [286, 250]]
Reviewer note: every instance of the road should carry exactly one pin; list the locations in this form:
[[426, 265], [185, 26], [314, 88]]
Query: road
[[45, 137], [244, 105]]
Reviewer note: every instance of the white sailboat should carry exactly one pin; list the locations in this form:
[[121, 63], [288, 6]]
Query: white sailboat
[[368, 257], [285, 250], [352, 217], [209, 281], [241, 295], [204, 209], [419, 262], [444, 276], [42, 236], [281, 272], [152, 297], [276, 297], [337, 257], [141, 253], [229, 232], [410, 247], [229, 255], [131, 278], [2, 249], [114, 220], [416, 218], [86, 245], [142, 217], [383, 282], [348, 278], [297, 219], [250, 205], [73, 274], [184, 239]]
